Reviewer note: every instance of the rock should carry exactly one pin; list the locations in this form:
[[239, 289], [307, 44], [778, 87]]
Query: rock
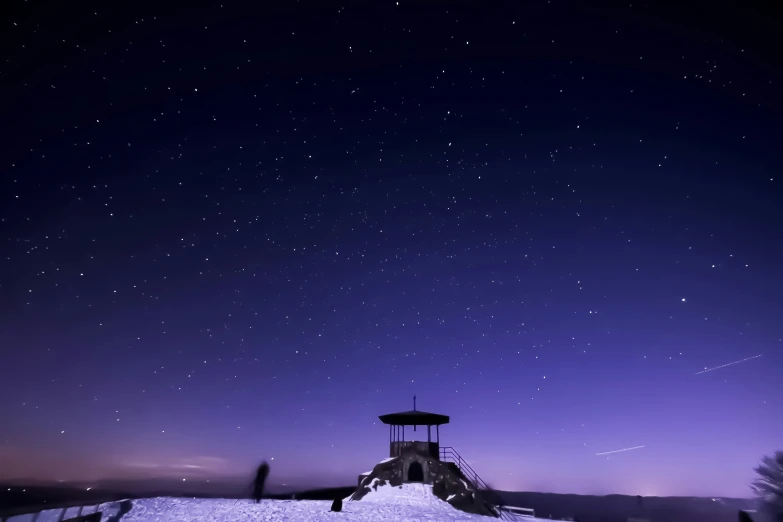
[[337, 505]]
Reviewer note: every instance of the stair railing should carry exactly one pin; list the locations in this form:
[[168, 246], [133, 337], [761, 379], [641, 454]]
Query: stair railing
[[449, 454]]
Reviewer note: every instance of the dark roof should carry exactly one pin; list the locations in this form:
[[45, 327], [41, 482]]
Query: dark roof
[[414, 418]]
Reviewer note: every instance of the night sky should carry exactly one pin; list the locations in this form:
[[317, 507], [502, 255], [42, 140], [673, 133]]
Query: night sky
[[238, 232]]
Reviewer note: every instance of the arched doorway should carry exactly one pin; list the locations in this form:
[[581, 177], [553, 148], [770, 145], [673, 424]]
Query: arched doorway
[[415, 472]]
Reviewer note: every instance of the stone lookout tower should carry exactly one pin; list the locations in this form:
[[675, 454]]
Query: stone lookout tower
[[439, 471], [397, 422]]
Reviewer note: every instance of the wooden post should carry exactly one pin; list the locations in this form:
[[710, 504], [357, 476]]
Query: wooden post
[[429, 437], [437, 432]]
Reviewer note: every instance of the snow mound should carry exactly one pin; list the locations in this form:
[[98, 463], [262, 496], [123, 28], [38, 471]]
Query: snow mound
[[176, 510], [407, 494], [414, 502], [229, 510]]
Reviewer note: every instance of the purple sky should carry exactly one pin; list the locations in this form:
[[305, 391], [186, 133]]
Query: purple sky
[[232, 234]]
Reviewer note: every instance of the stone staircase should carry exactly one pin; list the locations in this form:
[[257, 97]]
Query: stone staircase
[[450, 455]]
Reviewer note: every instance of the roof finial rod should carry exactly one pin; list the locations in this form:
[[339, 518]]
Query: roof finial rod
[[414, 403]]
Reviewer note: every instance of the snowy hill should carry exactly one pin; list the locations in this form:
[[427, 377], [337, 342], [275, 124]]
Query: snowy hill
[[411, 502]]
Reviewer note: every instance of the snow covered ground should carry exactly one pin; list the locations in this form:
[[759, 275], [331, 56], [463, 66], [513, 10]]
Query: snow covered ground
[[412, 502]]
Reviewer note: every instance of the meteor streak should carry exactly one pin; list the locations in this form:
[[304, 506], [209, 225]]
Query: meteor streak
[[618, 451], [728, 364]]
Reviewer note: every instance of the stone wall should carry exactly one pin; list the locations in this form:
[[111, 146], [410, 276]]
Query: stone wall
[[448, 483]]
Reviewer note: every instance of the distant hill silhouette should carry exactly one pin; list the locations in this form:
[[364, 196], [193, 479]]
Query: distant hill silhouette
[[617, 508]]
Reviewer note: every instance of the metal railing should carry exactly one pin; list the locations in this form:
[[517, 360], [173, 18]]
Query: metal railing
[[449, 454], [83, 510], [36, 511]]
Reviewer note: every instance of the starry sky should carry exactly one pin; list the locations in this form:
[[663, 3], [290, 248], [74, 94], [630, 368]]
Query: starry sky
[[242, 231]]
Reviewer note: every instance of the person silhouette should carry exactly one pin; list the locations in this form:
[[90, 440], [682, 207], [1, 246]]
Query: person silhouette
[[258, 485], [337, 504]]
